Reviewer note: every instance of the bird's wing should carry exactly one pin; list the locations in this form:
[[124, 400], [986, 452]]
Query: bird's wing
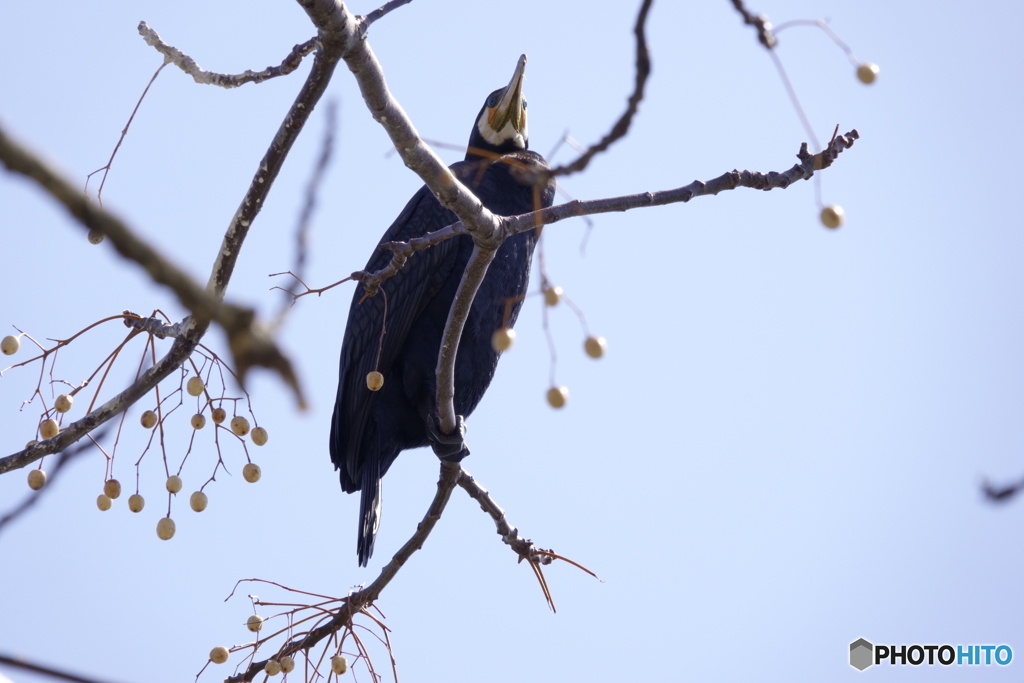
[[407, 293]]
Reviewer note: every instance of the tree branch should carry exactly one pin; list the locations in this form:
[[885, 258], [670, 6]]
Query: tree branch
[[181, 60], [621, 127]]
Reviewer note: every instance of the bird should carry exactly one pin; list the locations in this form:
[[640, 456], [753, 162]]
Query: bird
[[370, 428]]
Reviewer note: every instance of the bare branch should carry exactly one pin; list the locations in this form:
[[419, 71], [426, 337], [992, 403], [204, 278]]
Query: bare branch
[[759, 22], [809, 163], [381, 11], [361, 599], [26, 665], [181, 60], [621, 127]]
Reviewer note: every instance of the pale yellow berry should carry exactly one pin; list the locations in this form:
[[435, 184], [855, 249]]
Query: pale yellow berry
[[287, 664], [10, 345], [552, 295], [63, 403], [112, 489], [254, 623], [239, 425], [595, 346], [136, 502], [48, 429], [374, 380], [36, 479], [251, 473], [339, 664], [198, 501], [194, 386], [273, 667], [218, 415], [867, 73], [165, 529], [148, 419], [31, 443], [259, 436], [103, 502], [95, 237], [198, 421], [503, 338], [832, 216], [219, 654], [558, 396], [173, 483]]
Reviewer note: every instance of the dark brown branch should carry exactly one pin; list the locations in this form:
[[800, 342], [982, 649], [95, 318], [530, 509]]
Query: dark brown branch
[[621, 127], [1001, 494], [523, 547], [25, 665], [759, 22], [181, 60], [809, 163], [361, 599]]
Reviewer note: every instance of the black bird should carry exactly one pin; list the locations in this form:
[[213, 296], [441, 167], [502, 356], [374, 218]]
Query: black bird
[[370, 428]]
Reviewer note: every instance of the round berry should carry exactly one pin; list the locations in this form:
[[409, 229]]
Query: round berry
[[503, 338], [558, 396], [259, 436], [251, 473], [219, 654], [165, 529], [832, 216], [63, 403], [198, 500], [112, 489], [552, 295], [595, 346], [103, 502], [136, 502], [31, 443], [95, 237], [867, 73], [287, 664], [36, 479], [148, 419], [239, 425], [374, 381], [254, 623], [273, 667], [198, 421], [218, 415], [339, 664], [194, 386], [48, 429], [10, 345], [173, 483]]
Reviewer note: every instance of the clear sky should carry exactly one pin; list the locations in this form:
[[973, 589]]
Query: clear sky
[[780, 453]]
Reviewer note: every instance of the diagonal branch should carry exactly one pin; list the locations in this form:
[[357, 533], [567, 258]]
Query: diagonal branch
[[181, 60]]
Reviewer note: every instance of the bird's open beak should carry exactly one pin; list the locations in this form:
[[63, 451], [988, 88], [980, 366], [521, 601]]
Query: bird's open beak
[[510, 106]]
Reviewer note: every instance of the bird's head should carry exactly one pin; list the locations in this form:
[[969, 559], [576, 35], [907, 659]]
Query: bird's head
[[501, 125]]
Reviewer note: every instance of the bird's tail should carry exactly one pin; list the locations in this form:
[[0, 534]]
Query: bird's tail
[[369, 510]]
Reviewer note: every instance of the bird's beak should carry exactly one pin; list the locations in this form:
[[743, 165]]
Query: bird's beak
[[510, 106]]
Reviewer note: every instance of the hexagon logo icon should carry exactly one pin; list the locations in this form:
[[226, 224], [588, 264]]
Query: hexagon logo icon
[[861, 654]]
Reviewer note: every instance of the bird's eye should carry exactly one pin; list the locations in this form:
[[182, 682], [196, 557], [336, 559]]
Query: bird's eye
[[524, 104], [492, 101]]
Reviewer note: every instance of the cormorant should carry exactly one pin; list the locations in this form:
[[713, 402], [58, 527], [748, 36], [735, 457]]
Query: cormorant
[[370, 428]]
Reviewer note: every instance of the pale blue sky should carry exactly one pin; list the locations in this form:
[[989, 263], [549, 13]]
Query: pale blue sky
[[780, 453]]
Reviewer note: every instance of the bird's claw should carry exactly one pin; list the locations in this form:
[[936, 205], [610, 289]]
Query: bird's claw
[[449, 447]]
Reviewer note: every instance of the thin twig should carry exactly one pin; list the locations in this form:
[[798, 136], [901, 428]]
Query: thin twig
[[24, 664], [181, 60]]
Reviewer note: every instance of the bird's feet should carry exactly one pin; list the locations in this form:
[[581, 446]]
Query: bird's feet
[[448, 447]]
